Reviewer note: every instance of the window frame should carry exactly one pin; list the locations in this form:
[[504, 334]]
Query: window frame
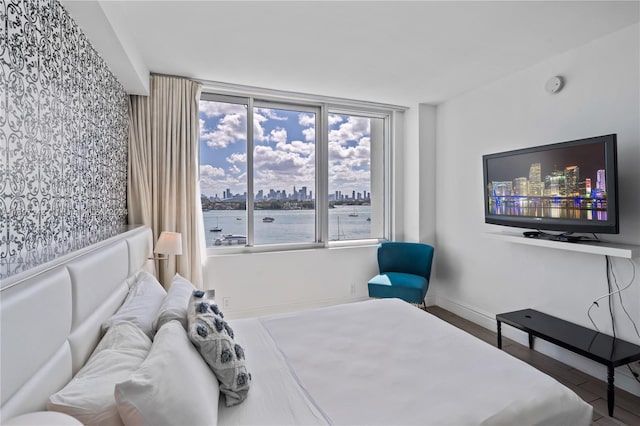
[[323, 107]]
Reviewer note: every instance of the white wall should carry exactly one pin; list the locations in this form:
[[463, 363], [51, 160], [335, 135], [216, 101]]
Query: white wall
[[265, 283], [410, 170], [478, 277], [427, 177]]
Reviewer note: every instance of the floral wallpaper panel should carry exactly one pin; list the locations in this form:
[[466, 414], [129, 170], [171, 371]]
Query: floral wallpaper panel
[[63, 137]]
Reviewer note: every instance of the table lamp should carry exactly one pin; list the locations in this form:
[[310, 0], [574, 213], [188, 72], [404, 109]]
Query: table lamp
[[169, 243]]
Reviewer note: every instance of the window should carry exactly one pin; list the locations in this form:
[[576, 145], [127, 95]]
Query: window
[[291, 173], [356, 177]]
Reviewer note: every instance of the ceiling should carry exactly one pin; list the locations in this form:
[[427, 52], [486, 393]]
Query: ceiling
[[383, 51]]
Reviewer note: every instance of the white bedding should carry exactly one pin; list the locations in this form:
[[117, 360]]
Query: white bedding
[[387, 362]]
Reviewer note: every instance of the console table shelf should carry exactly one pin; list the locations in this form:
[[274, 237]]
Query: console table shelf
[[602, 248], [602, 348]]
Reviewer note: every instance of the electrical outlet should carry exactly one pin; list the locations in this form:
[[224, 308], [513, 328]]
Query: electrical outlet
[[226, 302], [352, 288]]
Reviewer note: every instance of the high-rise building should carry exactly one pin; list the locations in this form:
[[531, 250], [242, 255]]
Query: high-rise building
[[521, 186], [534, 173], [572, 177], [554, 184], [502, 189], [535, 184], [587, 187], [601, 181]]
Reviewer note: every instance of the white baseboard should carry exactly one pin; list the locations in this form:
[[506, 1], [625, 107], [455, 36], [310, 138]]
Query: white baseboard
[[623, 378], [430, 300], [473, 314]]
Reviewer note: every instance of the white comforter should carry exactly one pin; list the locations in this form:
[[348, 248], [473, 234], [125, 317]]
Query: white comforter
[[387, 362]]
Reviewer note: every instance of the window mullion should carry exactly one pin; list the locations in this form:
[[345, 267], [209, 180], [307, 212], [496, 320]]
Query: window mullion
[[250, 174], [322, 180]]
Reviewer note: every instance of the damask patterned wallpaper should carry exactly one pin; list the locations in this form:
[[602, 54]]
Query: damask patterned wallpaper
[[63, 137]]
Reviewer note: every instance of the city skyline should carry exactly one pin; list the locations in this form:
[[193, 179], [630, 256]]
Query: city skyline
[[302, 194], [563, 183], [588, 158]]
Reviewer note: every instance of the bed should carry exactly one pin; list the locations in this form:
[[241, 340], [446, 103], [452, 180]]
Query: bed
[[371, 362]]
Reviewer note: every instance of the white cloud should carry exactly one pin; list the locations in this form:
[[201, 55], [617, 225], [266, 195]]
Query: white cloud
[[307, 120], [232, 123], [230, 129], [280, 164], [237, 157], [271, 114], [214, 180], [258, 130], [309, 134], [354, 129], [297, 147], [334, 119], [207, 170], [278, 135], [357, 156], [216, 109], [285, 166]]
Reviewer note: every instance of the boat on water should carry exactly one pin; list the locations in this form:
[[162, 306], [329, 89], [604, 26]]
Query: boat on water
[[368, 219], [217, 227], [230, 238], [267, 219], [341, 234]]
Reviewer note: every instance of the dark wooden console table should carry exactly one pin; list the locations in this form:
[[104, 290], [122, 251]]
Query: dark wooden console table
[[596, 346]]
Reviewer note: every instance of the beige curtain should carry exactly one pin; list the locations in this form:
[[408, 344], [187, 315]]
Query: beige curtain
[[163, 188]]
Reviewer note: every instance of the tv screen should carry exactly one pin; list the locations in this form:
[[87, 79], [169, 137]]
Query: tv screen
[[569, 186]]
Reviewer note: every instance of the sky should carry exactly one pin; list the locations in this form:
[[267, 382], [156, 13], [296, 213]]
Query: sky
[[284, 150]]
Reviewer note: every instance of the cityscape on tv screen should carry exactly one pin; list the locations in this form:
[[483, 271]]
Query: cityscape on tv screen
[[565, 183]]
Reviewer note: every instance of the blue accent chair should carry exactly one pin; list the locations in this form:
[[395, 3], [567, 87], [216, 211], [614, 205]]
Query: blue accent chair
[[405, 269]]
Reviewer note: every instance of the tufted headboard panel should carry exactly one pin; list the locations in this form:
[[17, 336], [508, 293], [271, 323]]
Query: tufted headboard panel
[[50, 316]]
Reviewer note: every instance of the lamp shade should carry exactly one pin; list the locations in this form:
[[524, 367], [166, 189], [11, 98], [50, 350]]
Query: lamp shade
[[169, 243]]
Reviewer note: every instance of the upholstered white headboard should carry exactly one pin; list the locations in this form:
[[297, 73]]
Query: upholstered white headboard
[[50, 316]]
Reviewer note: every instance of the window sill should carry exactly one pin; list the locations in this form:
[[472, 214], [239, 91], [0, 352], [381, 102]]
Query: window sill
[[271, 248]]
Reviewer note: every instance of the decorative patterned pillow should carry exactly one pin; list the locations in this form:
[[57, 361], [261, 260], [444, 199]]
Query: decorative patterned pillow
[[213, 337]]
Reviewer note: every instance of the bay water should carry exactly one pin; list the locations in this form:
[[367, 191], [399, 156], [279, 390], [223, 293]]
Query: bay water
[[288, 226]]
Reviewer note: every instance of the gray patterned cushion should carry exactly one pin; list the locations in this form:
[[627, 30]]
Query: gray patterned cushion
[[213, 337]]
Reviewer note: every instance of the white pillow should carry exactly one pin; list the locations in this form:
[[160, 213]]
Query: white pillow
[[173, 386], [141, 305], [174, 306], [48, 418], [89, 395]]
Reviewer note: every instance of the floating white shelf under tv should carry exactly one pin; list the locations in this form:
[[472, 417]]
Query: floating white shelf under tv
[[602, 248]]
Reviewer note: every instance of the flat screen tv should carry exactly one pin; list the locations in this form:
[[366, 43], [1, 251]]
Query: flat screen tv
[[568, 187]]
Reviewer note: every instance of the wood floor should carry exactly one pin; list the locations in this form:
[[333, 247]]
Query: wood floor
[[593, 391]]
